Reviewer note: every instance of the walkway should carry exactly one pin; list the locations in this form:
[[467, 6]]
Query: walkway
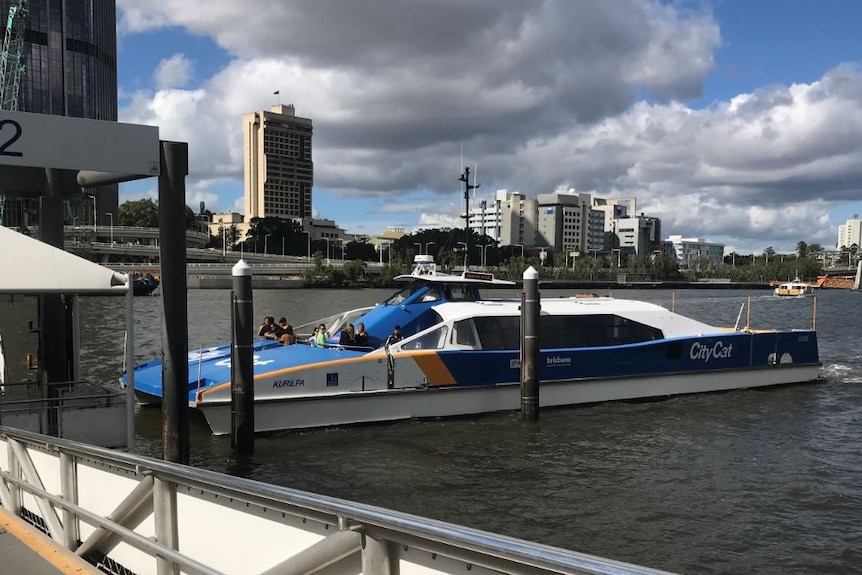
[[25, 549]]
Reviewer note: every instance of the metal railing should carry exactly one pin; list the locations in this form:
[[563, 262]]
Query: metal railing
[[134, 515], [65, 409]]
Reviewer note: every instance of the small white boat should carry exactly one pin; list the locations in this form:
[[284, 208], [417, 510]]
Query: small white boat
[[794, 288]]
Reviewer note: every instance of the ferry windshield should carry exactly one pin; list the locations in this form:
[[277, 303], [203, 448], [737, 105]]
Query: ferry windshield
[[404, 294], [437, 292]]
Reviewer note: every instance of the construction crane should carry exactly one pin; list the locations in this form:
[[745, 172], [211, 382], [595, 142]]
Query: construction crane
[[12, 58], [12, 67]]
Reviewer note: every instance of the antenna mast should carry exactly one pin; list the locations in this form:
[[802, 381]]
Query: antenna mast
[[465, 177]]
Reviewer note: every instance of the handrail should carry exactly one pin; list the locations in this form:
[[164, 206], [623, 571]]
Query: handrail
[[380, 528]]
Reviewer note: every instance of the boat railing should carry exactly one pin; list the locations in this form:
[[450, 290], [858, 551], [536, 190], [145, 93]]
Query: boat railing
[[127, 513], [334, 323]]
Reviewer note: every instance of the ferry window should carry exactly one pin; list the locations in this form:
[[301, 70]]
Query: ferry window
[[423, 322], [433, 294], [463, 333], [593, 331], [462, 292], [431, 340], [499, 332]]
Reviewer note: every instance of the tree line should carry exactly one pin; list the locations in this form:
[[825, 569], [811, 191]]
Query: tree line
[[452, 248]]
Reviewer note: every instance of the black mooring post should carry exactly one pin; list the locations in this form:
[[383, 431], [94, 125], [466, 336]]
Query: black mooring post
[[242, 361], [174, 158], [55, 362], [530, 346]]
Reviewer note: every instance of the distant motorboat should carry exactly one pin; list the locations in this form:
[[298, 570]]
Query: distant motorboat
[[144, 284], [794, 288]]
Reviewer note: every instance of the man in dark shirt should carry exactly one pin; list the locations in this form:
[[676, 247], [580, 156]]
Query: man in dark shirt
[[395, 336], [268, 326], [270, 329]]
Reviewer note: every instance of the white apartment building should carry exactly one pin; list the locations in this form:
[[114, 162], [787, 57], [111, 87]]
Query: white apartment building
[[277, 168], [850, 233], [614, 209], [689, 250], [567, 222], [637, 235], [485, 216], [510, 218], [560, 221]]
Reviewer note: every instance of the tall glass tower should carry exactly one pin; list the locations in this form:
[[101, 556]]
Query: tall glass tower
[[70, 53]]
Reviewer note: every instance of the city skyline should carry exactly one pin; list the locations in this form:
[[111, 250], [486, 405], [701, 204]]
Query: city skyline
[[739, 124]]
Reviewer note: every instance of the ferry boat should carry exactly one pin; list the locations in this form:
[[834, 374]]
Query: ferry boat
[[794, 288], [460, 356]]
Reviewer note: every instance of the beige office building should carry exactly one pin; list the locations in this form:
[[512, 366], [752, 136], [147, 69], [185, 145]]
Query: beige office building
[[278, 170]]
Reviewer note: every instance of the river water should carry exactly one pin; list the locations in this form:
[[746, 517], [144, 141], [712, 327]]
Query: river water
[[747, 481]]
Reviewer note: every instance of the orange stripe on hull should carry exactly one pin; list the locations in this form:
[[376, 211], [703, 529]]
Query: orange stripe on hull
[[434, 369]]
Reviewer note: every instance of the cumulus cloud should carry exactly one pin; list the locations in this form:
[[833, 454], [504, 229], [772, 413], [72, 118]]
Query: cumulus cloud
[[544, 95], [173, 72]]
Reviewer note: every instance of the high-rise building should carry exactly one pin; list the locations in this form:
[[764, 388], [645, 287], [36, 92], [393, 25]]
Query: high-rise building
[[689, 251], [850, 233], [565, 222], [70, 54], [640, 235], [485, 216], [278, 169]]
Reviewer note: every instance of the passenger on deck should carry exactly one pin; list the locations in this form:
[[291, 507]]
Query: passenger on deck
[[277, 330], [268, 326], [361, 337], [320, 336], [394, 337], [287, 337], [348, 337]]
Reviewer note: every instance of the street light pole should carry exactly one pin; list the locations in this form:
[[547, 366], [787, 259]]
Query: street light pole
[[485, 255], [426, 247], [92, 197], [418, 247], [309, 243], [223, 241], [282, 246], [522, 249], [327, 250], [380, 247], [111, 216], [266, 244]]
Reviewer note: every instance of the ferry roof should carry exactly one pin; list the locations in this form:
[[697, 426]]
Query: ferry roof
[[671, 323], [425, 269], [466, 277]]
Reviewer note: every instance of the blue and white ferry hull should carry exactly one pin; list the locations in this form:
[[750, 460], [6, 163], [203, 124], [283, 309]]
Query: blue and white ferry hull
[[460, 357], [444, 383]]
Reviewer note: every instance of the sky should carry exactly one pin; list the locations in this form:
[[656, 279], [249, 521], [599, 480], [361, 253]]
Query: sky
[[733, 121]]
